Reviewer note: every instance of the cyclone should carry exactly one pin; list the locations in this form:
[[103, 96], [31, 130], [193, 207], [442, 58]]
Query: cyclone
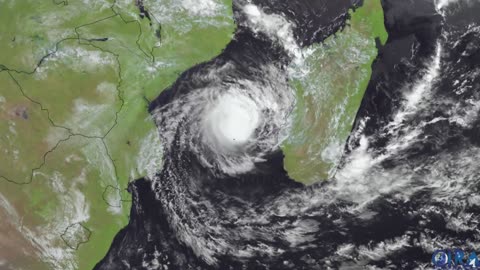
[[408, 180]]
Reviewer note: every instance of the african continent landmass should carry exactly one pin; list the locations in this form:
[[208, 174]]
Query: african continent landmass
[[76, 79]]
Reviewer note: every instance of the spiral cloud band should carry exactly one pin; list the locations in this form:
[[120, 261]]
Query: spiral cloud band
[[407, 182]]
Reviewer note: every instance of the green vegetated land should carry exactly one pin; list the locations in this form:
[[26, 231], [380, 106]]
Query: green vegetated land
[[329, 95], [75, 81]]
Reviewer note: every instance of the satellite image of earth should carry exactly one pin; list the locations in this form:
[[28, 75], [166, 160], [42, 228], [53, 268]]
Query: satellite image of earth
[[239, 134]]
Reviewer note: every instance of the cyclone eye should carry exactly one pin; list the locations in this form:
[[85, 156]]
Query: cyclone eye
[[232, 120]]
